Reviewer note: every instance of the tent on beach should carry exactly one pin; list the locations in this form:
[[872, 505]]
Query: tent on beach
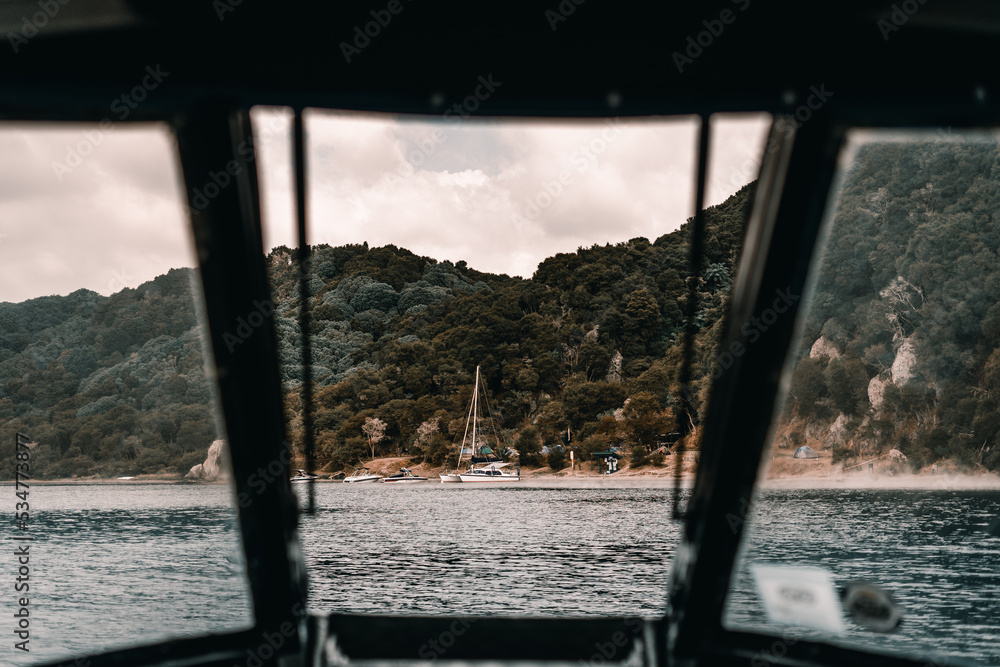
[[805, 452]]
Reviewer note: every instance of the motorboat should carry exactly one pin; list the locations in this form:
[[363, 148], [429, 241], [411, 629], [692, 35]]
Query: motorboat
[[302, 476], [404, 476], [360, 476]]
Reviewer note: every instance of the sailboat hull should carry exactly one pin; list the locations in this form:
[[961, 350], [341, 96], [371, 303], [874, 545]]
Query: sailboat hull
[[446, 479], [489, 479]]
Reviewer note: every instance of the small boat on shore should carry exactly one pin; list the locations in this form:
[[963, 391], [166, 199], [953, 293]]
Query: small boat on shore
[[302, 476], [404, 476], [360, 476]]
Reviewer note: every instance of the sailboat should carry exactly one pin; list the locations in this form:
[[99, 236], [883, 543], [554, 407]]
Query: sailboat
[[484, 466]]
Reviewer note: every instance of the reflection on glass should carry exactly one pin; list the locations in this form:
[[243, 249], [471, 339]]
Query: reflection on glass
[[102, 368], [893, 398]]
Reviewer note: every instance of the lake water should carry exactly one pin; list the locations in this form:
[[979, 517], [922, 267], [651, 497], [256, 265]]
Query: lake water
[[116, 565]]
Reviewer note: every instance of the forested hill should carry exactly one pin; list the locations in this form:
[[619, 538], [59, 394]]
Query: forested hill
[[901, 348], [116, 385], [109, 385], [900, 353]]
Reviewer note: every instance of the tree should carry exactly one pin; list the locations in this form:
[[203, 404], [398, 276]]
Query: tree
[[374, 430], [527, 445], [645, 419]]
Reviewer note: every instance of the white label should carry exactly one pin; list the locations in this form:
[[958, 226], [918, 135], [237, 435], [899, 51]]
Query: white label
[[799, 595]]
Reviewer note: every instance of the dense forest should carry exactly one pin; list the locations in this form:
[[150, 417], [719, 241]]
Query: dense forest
[[899, 356], [901, 346], [584, 352]]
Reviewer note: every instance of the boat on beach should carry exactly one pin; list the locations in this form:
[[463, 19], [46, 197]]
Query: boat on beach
[[302, 476], [361, 475], [404, 476]]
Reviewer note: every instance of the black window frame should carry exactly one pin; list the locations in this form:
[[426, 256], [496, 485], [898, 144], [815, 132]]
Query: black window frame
[[794, 187]]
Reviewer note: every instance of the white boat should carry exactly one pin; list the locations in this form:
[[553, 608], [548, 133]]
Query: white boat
[[490, 473], [404, 476], [360, 476], [302, 476], [482, 468]]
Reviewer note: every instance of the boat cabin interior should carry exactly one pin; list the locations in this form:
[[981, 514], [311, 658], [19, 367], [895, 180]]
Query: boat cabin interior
[[820, 70]]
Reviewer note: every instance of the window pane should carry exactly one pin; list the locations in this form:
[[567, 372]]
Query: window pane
[[883, 462], [102, 368], [550, 256]]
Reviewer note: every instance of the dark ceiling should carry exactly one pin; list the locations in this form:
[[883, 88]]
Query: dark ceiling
[[553, 57]]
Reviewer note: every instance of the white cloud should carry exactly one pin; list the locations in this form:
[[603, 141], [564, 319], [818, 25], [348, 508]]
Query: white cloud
[[114, 221], [502, 195]]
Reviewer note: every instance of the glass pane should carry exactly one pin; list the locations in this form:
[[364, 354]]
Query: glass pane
[[549, 255], [883, 463], [102, 369]]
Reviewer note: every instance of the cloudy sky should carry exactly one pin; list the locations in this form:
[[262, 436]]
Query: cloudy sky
[[81, 207]]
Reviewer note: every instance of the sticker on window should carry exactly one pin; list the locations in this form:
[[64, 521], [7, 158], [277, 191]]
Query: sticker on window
[[798, 595]]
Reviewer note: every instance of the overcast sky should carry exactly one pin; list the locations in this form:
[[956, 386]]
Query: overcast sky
[[82, 207]]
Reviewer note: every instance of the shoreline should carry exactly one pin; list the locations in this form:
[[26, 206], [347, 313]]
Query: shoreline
[[783, 473], [642, 478]]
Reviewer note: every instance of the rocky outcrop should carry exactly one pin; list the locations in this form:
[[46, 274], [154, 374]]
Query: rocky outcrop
[[214, 468], [902, 365], [876, 391], [838, 429], [615, 369], [824, 347]]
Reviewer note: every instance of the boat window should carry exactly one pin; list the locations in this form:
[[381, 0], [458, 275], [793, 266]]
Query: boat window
[[880, 500], [124, 522], [550, 256]]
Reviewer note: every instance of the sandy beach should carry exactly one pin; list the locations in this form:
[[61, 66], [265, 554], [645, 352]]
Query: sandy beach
[[781, 471]]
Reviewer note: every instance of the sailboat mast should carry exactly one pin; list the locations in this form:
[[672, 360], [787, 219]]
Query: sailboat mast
[[475, 411]]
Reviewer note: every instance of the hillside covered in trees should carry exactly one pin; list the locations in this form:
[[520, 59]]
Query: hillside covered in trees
[[901, 346], [899, 355], [116, 385]]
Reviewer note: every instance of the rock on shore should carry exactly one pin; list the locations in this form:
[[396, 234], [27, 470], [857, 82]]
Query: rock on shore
[[213, 469]]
